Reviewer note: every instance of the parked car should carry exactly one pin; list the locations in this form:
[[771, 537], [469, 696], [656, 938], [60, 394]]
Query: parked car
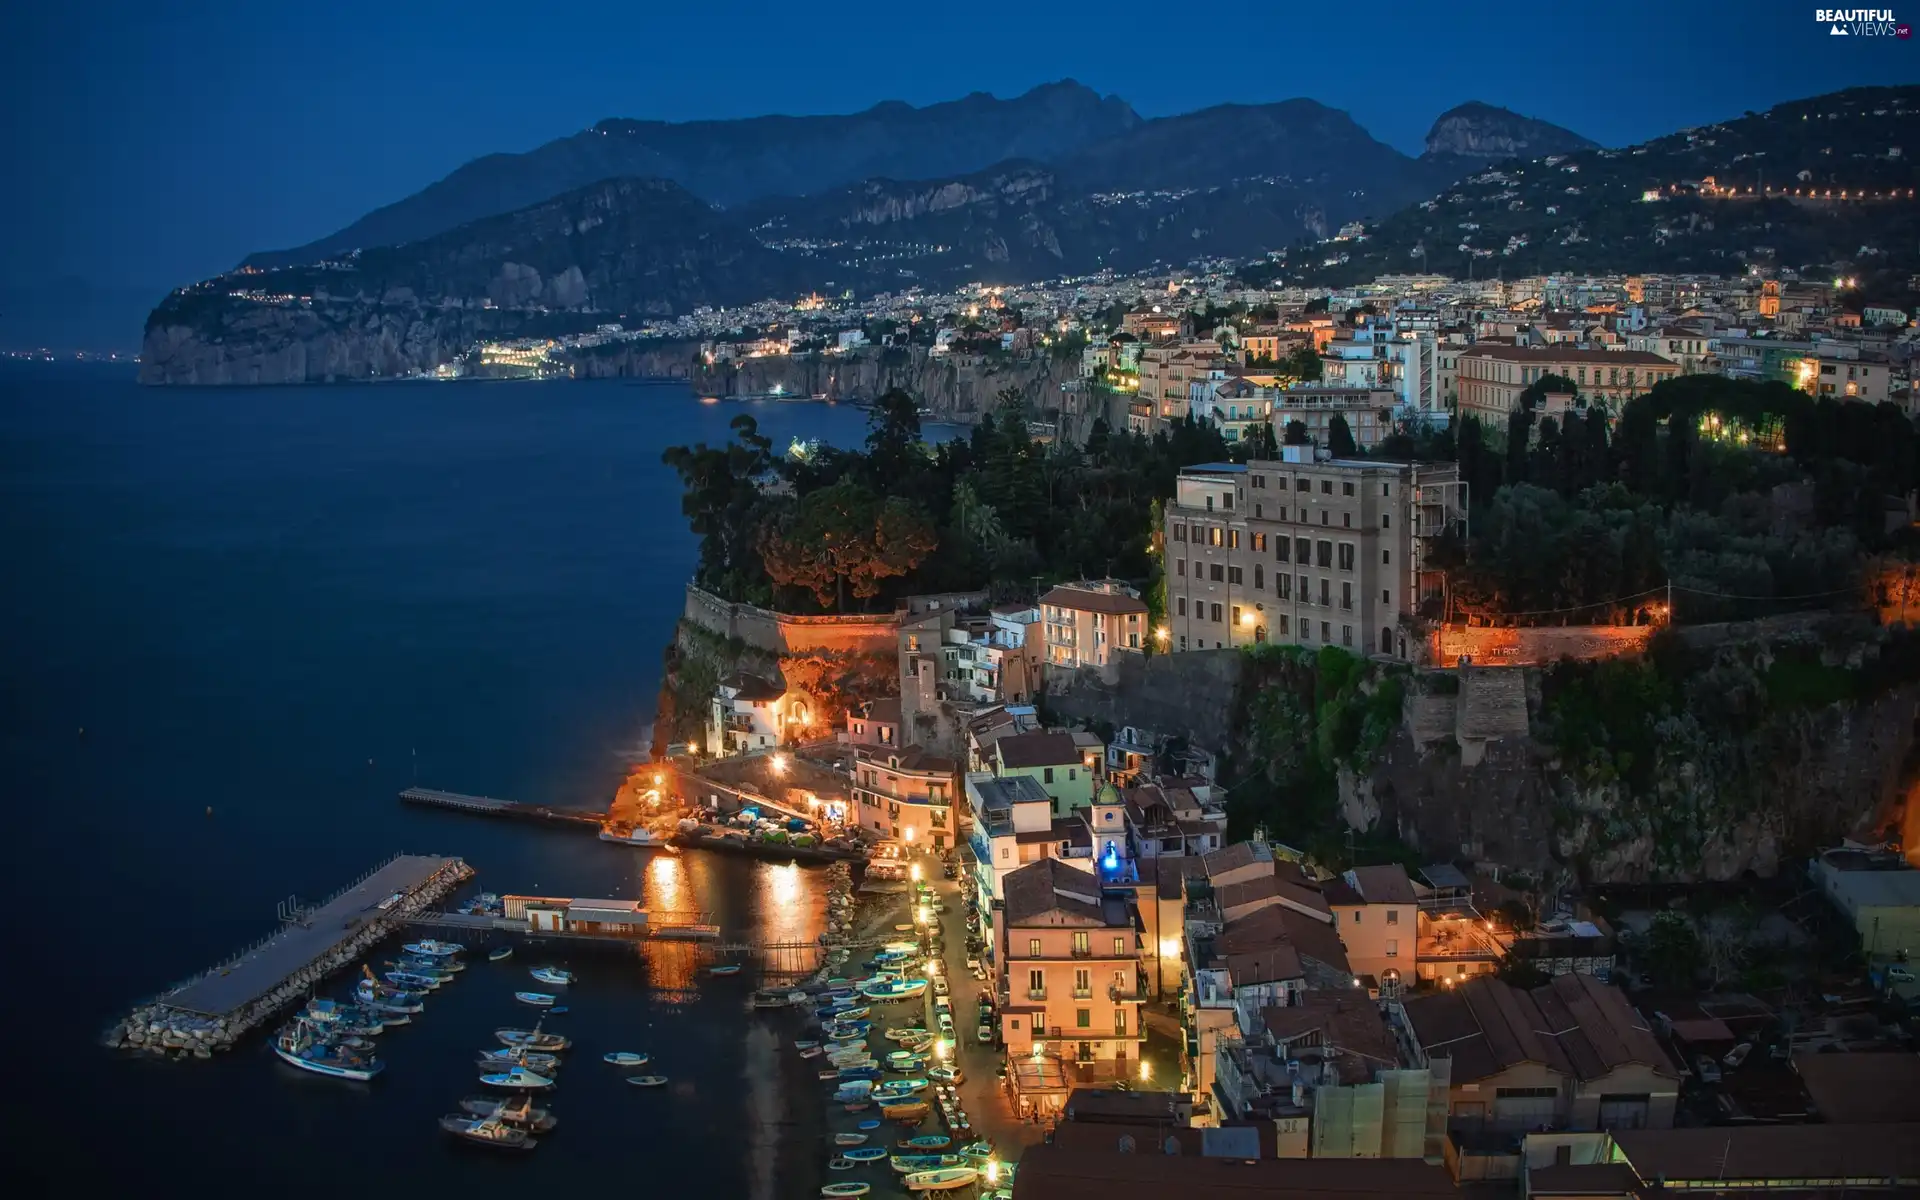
[[1899, 974], [984, 1035]]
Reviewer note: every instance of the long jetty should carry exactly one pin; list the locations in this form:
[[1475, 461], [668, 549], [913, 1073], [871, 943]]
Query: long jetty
[[488, 806], [214, 1009]]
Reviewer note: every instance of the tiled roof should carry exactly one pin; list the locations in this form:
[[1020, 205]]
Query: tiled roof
[[1567, 354], [1386, 884], [1574, 1025], [1085, 600], [1038, 750]]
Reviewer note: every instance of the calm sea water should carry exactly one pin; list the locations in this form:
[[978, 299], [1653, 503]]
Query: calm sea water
[[270, 602]]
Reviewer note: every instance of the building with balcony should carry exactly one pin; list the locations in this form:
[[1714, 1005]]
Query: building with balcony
[[907, 794], [750, 713], [1571, 1054], [1174, 818], [1376, 912], [1053, 760], [1087, 624], [1491, 378], [1303, 552], [1368, 412], [876, 724], [1069, 969]]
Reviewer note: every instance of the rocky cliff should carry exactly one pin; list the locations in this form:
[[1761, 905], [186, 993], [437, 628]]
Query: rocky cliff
[[1485, 132]]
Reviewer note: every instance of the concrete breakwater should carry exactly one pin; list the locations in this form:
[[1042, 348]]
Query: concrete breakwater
[[215, 1009]]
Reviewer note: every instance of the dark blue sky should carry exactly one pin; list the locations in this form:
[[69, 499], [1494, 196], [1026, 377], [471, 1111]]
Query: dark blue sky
[[149, 149]]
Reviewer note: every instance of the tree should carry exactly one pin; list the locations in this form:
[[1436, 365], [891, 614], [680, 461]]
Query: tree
[[1340, 438], [1296, 434], [1303, 364], [1672, 949], [1260, 442], [845, 536], [721, 500]]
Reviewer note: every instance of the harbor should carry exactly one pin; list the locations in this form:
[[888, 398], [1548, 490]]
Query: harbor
[[216, 1008]]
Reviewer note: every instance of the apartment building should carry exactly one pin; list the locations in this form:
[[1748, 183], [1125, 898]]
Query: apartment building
[[1491, 378], [906, 793], [1304, 552], [1070, 967], [1377, 913], [1166, 369], [1368, 413], [749, 713], [1087, 623], [1233, 403], [1053, 760]]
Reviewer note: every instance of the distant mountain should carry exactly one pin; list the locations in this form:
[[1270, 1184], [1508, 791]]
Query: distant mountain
[[730, 162], [1716, 199], [1475, 133]]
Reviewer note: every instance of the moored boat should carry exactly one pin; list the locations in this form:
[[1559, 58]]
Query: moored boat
[[545, 1064], [383, 998], [485, 1131], [724, 969], [625, 1058], [865, 1154], [297, 1045], [976, 1152], [500, 954], [517, 1079], [552, 975], [537, 999], [908, 1163], [647, 1081], [846, 1189], [407, 979], [518, 1111], [532, 1039], [433, 949], [849, 1139], [928, 1143], [911, 1112], [942, 1179]]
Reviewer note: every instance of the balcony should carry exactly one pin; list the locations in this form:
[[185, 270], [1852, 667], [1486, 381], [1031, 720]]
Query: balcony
[[1081, 952], [739, 724], [1116, 993], [1036, 994], [1083, 993]]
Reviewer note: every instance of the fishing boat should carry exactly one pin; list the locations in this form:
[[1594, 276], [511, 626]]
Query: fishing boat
[[545, 1064], [551, 975], [867, 1126], [297, 1045], [345, 1018], [639, 835], [905, 1034], [841, 1164], [517, 1079], [811, 1052], [724, 969], [433, 968], [849, 1139], [906, 1085], [517, 1111], [532, 1039], [433, 949], [625, 1058], [384, 999], [500, 954], [871, 1074], [846, 1189], [537, 999], [976, 1152], [865, 1154], [906, 1163], [946, 1074], [408, 979], [771, 999], [888, 991], [485, 1131], [445, 964], [904, 1056], [942, 1179], [647, 1081], [909, 1111], [928, 1143]]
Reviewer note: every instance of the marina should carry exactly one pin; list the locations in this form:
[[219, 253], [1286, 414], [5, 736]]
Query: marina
[[212, 1010]]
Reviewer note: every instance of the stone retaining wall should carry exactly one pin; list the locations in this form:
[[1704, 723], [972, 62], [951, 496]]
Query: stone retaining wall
[[785, 633]]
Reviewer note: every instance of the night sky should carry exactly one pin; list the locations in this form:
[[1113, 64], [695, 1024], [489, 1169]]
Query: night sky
[[149, 150]]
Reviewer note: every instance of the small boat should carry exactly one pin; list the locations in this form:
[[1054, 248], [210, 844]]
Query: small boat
[[639, 836], [348, 1019], [545, 1064], [551, 975], [409, 980], [841, 1164], [433, 949], [724, 969], [849, 1139], [928, 1143], [904, 1034], [517, 1111], [902, 1056], [771, 1000], [806, 1045], [976, 1151], [865, 1154], [485, 1131], [537, 999], [558, 1010], [532, 1039], [868, 1126], [432, 968], [297, 1045], [625, 1058], [910, 1111], [500, 954], [812, 1052], [384, 999], [846, 1189], [517, 1079], [942, 1179], [906, 1163], [945, 1074], [647, 1080]]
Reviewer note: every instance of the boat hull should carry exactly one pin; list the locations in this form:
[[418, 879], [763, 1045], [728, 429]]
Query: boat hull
[[331, 1070]]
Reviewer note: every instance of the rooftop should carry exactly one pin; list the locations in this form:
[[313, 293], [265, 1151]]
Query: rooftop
[[1084, 598], [1873, 1154], [1054, 1173], [1052, 892], [1862, 1089], [1038, 750], [1574, 1025]]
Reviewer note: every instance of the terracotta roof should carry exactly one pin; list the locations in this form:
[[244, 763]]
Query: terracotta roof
[[1387, 884], [1315, 939], [1055, 1173], [1051, 886], [1574, 1025], [1269, 964], [1337, 891], [1559, 354], [887, 710], [1084, 600], [1228, 858], [1038, 750], [1773, 1152], [753, 688], [1862, 1089]]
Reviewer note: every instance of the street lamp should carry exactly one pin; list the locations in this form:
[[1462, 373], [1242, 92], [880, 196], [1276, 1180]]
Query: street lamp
[[779, 763], [1146, 1071], [993, 1171]]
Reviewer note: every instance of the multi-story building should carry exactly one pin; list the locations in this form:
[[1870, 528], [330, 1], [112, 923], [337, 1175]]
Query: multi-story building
[[1368, 413], [1233, 404], [1070, 967], [1053, 760], [1491, 378], [1087, 623], [1303, 552], [907, 794], [1377, 914], [1167, 368], [750, 713]]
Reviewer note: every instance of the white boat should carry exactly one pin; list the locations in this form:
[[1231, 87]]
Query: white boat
[[533, 1060], [297, 1045], [941, 1180], [849, 1139], [433, 949], [640, 836], [552, 975], [532, 1039], [647, 1081], [625, 1058], [489, 1132], [500, 954], [846, 1189], [517, 1079], [537, 999]]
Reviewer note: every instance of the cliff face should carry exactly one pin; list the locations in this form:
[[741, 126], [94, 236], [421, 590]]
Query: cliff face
[[325, 343], [1490, 134]]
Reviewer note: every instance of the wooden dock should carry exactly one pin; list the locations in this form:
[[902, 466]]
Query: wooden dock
[[488, 806]]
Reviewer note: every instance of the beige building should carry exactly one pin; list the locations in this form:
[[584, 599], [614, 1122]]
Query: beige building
[[1377, 914], [1166, 369], [1491, 378], [906, 794], [1087, 623], [1303, 552], [1071, 967], [1367, 411]]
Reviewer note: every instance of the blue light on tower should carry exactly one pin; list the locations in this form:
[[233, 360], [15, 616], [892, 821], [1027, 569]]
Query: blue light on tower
[[1110, 861]]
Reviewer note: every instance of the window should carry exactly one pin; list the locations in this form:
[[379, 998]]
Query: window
[[1259, 582], [1306, 596], [1326, 487], [1216, 571], [1302, 551], [1033, 951], [1180, 567], [1325, 550], [1386, 489], [1386, 521], [1119, 1022], [1120, 947], [1324, 518], [1048, 772], [1180, 606], [1346, 487], [1346, 556], [1386, 558], [1393, 947], [1301, 485], [1180, 533], [1346, 635], [1213, 536], [1236, 614], [1233, 539], [1036, 983], [1004, 854], [1326, 593], [1260, 543], [1235, 575], [1386, 640], [1080, 943], [1282, 623], [1346, 519], [1386, 597], [1282, 549], [1346, 594], [1260, 481], [1356, 915], [1226, 500], [1393, 916], [1083, 1018], [1282, 586], [1326, 631], [1070, 774], [1082, 985], [1256, 515], [1216, 612]]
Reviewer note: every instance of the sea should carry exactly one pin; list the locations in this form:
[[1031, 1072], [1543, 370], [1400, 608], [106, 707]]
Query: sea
[[235, 623]]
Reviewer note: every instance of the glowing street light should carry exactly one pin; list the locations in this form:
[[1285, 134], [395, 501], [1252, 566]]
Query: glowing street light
[[779, 763], [943, 1049], [914, 872], [1146, 1071], [993, 1171]]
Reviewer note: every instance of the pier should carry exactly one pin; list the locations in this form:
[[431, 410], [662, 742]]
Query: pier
[[213, 1009], [487, 806]]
